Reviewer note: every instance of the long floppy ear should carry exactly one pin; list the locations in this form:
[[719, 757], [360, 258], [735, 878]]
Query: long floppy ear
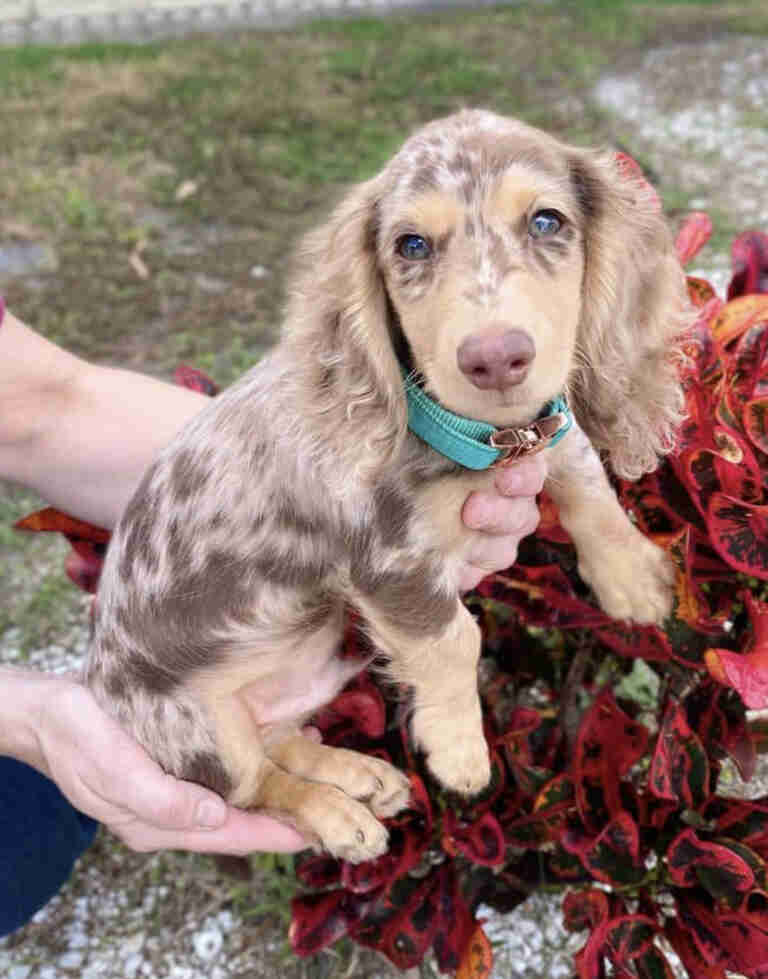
[[340, 320], [626, 390]]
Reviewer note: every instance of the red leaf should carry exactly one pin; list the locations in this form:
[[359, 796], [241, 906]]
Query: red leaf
[[706, 355], [690, 956], [542, 596], [748, 677], [54, 521], [317, 870], [589, 959], [564, 866], [631, 170], [478, 957], [319, 920], [732, 939], [739, 533], [195, 380], [409, 932], [556, 796], [455, 923], [649, 508], [419, 807], [407, 846], [365, 707], [747, 370], [694, 233], [755, 419], [481, 840], [744, 821], [746, 672], [84, 569], [628, 938], [698, 606], [586, 908], [679, 767], [625, 940], [737, 316], [637, 642], [613, 857], [692, 862], [609, 743], [701, 292], [749, 257]]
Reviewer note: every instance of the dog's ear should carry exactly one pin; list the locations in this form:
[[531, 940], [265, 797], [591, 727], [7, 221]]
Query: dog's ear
[[625, 389], [340, 314]]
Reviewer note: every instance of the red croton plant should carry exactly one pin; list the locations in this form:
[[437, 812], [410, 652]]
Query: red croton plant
[[601, 785]]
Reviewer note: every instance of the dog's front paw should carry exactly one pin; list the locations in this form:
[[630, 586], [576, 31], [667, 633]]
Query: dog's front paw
[[346, 828], [456, 750], [376, 782], [633, 579]]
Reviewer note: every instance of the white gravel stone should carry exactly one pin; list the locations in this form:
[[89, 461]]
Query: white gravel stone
[[208, 942], [131, 967], [71, 960]]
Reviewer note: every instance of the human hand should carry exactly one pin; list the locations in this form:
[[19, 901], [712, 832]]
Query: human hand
[[106, 774], [501, 519]]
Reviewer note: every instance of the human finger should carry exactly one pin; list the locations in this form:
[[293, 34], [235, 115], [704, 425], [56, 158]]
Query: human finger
[[240, 834], [492, 514], [524, 478]]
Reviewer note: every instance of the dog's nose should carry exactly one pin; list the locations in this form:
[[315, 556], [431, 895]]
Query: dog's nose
[[496, 358]]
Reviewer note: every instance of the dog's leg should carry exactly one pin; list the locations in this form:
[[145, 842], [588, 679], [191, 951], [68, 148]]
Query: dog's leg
[[631, 577], [328, 817], [371, 780], [255, 701], [324, 814], [441, 670]]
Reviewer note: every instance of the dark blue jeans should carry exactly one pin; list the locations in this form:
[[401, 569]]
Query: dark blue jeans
[[41, 837]]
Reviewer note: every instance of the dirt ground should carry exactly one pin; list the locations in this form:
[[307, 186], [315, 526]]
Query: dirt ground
[[693, 111]]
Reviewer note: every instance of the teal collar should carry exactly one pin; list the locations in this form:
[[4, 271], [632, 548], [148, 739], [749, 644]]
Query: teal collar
[[478, 445]]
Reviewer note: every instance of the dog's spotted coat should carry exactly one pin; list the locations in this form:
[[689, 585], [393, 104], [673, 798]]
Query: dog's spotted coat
[[299, 490]]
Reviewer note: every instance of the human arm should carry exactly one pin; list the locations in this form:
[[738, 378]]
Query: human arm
[[80, 434]]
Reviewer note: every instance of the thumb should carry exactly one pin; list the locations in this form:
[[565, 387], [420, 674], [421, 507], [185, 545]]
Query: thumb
[[170, 803]]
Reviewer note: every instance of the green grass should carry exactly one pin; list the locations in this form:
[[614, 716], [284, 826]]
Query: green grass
[[38, 601]]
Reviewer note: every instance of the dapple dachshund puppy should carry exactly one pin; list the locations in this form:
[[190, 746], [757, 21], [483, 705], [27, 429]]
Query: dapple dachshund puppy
[[486, 275]]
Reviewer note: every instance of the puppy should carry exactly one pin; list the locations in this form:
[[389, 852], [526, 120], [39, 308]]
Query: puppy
[[440, 324]]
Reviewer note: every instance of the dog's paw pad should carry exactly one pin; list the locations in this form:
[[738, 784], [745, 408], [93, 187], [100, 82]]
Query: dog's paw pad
[[463, 767], [352, 833], [634, 582]]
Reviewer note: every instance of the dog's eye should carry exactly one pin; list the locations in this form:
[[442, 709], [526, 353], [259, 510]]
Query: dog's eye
[[413, 247], [544, 223]]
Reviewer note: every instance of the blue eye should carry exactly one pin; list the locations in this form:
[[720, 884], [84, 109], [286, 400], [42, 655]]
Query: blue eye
[[544, 223], [413, 247]]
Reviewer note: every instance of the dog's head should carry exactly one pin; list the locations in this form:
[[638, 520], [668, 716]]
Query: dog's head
[[505, 267]]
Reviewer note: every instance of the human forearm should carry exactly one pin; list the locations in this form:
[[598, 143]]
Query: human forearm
[[23, 693], [79, 434]]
